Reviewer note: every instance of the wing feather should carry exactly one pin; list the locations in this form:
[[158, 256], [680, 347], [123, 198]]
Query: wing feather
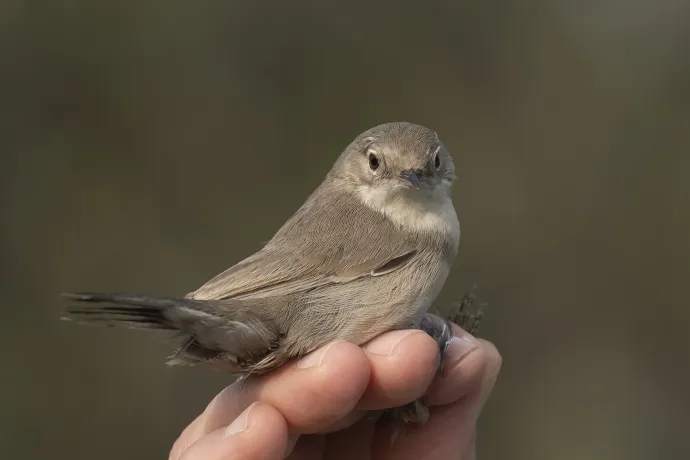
[[332, 238]]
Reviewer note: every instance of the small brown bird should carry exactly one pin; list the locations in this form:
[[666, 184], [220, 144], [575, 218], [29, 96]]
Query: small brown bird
[[368, 252]]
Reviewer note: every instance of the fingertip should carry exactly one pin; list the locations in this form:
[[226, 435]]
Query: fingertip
[[494, 360], [464, 368], [188, 437], [460, 332], [403, 364], [493, 356], [320, 389], [261, 418], [260, 431]]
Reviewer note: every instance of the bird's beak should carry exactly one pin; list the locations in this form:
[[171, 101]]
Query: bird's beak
[[413, 175]]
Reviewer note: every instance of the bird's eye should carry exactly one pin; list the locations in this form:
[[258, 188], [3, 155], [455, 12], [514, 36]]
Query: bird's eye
[[437, 161], [373, 162]]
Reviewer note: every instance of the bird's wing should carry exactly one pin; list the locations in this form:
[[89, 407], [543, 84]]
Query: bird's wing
[[332, 238]]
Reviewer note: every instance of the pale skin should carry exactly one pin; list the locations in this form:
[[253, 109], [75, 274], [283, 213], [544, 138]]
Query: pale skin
[[321, 407]]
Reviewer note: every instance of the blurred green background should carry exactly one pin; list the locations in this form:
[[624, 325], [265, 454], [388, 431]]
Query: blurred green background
[[147, 146]]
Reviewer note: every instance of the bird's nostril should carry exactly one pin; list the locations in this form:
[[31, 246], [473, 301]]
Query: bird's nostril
[[412, 175]]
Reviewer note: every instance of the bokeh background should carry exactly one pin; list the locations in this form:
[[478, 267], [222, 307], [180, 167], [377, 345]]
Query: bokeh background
[[148, 145]]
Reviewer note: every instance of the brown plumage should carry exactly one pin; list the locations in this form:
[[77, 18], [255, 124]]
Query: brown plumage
[[368, 252]]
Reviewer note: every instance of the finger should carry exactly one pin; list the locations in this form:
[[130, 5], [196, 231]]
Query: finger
[[259, 432], [189, 436], [449, 433], [403, 364], [317, 391], [451, 429], [466, 362], [493, 367]]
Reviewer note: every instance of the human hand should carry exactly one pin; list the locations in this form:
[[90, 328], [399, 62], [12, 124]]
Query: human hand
[[318, 407]]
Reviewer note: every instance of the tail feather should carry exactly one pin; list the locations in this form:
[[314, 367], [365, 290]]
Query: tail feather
[[135, 310], [132, 323], [228, 329], [132, 300], [118, 309], [142, 317]]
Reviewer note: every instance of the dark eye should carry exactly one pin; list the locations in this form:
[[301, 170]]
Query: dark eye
[[437, 161], [373, 162]]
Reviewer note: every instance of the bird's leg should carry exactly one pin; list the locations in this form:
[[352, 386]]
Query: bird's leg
[[466, 314]]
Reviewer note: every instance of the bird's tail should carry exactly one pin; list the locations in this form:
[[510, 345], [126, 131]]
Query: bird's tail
[[136, 311], [227, 330]]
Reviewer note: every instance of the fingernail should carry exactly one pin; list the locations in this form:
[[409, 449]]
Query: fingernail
[[315, 358], [458, 348], [240, 423], [386, 344], [291, 442]]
